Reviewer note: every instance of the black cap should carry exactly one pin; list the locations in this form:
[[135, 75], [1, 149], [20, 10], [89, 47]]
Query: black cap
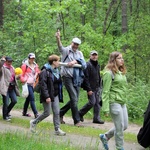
[[8, 58]]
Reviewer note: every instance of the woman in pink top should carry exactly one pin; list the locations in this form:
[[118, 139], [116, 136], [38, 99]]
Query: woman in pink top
[[30, 71]]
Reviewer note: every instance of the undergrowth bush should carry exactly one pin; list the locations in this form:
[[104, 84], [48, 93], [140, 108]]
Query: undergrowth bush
[[138, 96]]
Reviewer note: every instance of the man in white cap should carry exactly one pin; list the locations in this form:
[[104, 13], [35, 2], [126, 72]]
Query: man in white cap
[[71, 77], [92, 84]]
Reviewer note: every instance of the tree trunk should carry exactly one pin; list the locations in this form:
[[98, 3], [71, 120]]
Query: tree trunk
[[124, 16], [1, 12], [130, 6]]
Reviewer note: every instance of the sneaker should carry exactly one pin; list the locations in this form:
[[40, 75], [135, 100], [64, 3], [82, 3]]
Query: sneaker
[[104, 141], [98, 121], [79, 124], [61, 120], [120, 149], [36, 115], [60, 132], [32, 126], [9, 116], [7, 119], [27, 115]]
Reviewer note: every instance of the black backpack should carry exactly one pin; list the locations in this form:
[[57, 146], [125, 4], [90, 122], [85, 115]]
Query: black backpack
[[143, 135]]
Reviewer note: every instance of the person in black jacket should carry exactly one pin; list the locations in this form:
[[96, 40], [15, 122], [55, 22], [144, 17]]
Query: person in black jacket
[[92, 84], [50, 94]]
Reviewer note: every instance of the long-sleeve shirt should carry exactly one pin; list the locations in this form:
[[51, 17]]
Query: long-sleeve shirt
[[69, 55], [114, 90]]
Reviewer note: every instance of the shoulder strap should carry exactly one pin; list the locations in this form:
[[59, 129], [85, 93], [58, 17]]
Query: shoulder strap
[[48, 74], [66, 56], [112, 75]]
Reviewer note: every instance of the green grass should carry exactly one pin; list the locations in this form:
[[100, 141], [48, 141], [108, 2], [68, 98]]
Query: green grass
[[20, 141], [85, 131]]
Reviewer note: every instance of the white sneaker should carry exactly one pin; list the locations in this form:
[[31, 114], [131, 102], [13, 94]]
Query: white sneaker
[[60, 132], [32, 126]]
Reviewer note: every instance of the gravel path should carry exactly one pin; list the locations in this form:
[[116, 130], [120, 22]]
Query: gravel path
[[85, 142]]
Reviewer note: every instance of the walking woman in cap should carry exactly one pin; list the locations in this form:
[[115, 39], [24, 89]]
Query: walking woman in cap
[[30, 71], [11, 92]]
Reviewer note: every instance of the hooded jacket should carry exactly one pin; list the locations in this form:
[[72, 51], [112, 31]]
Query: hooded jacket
[[29, 74], [114, 90]]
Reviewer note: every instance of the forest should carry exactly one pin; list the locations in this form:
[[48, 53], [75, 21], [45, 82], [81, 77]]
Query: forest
[[103, 25]]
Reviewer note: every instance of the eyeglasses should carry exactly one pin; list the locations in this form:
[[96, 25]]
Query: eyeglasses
[[120, 58]]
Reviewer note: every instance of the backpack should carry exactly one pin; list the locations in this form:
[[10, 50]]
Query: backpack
[[143, 135], [36, 86]]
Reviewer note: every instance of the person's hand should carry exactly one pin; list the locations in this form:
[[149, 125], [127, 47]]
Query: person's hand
[[72, 63], [57, 34], [90, 93], [48, 100], [18, 76]]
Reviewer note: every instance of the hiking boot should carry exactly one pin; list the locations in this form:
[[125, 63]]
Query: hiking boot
[[60, 132], [32, 126], [61, 120], [104, 141], [79, 124]]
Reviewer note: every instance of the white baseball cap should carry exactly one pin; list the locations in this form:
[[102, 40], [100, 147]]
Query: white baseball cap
[[76, 40], [31, 55]]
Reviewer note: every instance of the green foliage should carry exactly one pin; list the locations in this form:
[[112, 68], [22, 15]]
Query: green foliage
[[138, 98], [30, 26]]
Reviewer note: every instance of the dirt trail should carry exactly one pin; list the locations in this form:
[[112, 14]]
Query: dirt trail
[[85, 142]]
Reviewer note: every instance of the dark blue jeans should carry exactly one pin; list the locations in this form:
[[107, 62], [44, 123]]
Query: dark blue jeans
[[7, 107], [73, 103], [30, 99]]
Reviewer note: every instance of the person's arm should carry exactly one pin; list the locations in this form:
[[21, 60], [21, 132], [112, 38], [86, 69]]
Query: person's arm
[[2, 60], [44, 85], [58, 39], [107, 82]]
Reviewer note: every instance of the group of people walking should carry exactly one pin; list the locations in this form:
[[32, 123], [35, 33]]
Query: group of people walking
[[107, 92]]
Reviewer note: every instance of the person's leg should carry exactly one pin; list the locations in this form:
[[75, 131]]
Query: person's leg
[[56, 117], [25, 107], [64, 109], [41, 117], [116, 112], [45, 114], [32, 100], [73, 94], [96, 108], [5, 105], [55, 109], [125, 117], [13, 98], [88, 105]]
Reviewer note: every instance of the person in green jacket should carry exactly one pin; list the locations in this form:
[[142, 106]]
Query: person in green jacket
[[114, 99]]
